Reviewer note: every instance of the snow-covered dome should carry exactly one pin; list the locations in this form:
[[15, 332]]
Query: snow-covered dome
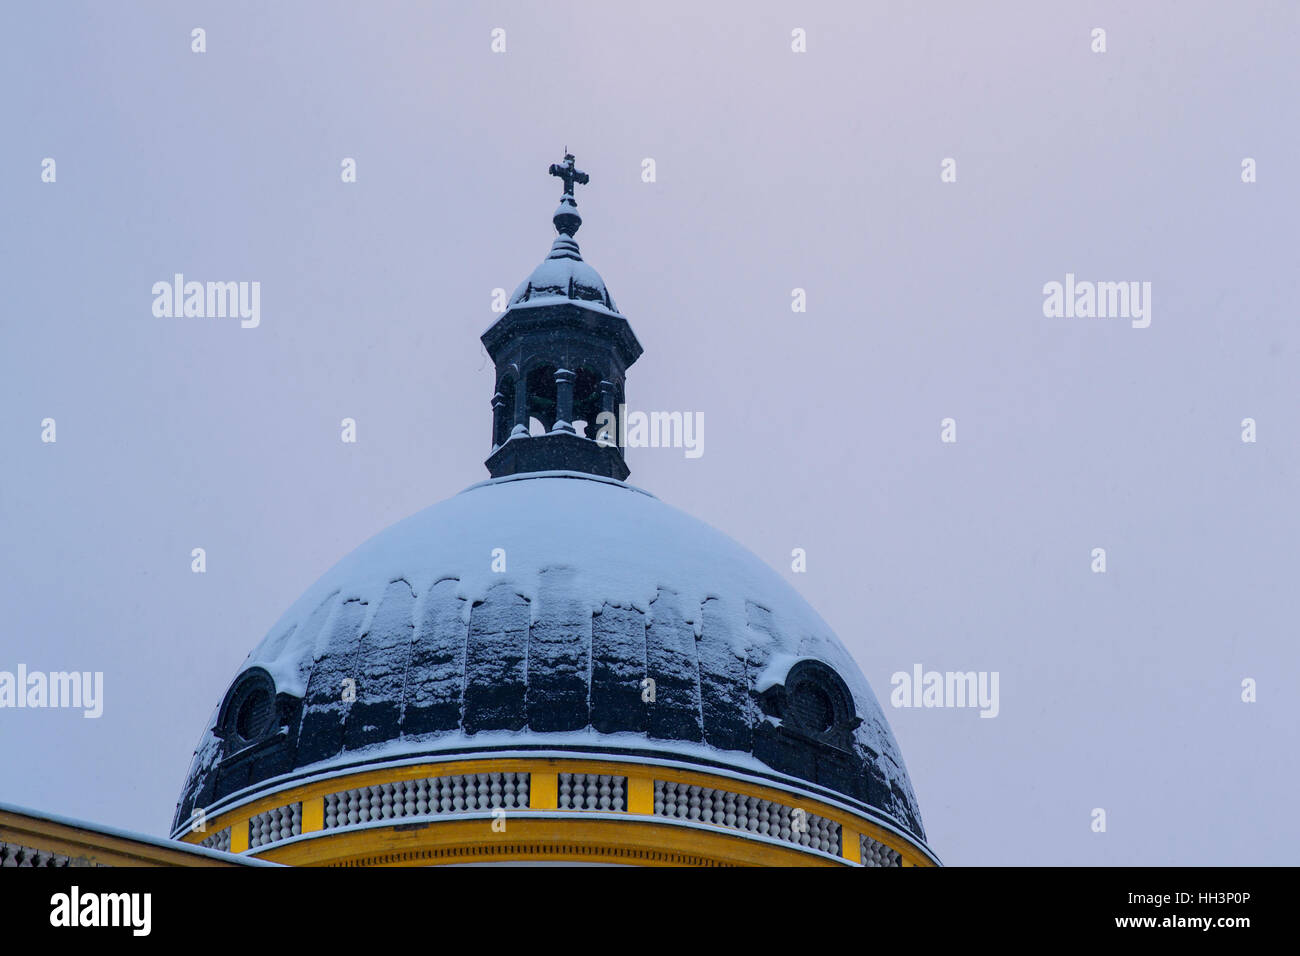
[[551, 611], [563, 275], [558, 645]]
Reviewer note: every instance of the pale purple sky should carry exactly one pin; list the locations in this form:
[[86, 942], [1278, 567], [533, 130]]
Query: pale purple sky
[[775, 170]]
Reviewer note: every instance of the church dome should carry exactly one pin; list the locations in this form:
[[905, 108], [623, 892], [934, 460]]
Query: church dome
[[526, 613], [622, 682]]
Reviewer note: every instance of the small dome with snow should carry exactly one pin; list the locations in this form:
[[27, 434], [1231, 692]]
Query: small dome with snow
[[563, 275]]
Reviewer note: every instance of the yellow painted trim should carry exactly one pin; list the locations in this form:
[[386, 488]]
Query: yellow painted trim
[[86, 844], [239, 836], [851, 845], [638, 842], [641, 795], [910, 854], [543, 791], [367, 778], [313, 814], [544, 794]]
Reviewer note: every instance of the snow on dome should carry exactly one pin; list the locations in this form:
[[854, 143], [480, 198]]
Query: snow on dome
[[564, 278], [529, 610]]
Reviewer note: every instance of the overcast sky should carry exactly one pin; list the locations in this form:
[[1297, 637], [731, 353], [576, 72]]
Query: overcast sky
[[776, 170]]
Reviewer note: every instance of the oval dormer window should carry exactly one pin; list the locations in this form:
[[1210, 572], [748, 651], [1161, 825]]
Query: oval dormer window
[[815, 702], [248, 713], [811, 708], [254, 714]]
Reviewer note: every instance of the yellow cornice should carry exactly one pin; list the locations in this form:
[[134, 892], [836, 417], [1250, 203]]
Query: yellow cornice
[[637, 841], [535, 833], [91, 847]]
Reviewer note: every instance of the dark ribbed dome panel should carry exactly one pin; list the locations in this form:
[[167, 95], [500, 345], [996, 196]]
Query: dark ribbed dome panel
[[363, 670]]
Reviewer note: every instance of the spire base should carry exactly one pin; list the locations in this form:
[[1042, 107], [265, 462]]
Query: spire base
[[557, 451]]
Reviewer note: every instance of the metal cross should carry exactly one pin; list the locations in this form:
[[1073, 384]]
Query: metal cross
[[569, 174]]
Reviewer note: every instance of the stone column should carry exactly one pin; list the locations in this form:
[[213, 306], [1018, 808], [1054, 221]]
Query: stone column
[[608, 391], [564, 401], [498, 420], [520, 427]]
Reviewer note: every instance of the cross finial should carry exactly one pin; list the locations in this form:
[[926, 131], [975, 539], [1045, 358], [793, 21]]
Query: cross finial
[[569, 174], [566, 216]]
